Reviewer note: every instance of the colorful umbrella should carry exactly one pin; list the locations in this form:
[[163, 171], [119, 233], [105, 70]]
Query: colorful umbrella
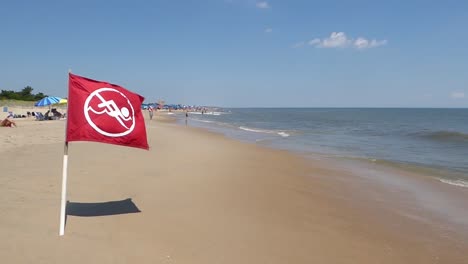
[[63, 101], [48, 101]]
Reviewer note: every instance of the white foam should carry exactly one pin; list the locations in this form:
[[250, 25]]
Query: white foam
[[204, 121], [256, 130], [280, 133], [460, 183], [206, 113], [213, 113]]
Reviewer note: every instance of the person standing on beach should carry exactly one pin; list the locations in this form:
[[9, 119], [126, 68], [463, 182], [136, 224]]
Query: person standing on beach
[[150, 111], [186, 116]]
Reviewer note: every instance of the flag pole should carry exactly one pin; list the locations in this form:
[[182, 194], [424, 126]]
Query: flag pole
[[63, 203], [64, 190]]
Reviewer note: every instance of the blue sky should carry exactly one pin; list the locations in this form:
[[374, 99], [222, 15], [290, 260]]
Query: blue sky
[[244, 53]]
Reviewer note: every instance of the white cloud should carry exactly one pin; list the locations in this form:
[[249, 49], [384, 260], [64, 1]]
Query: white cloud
[[340, 40], [268, 30], [315, 41], [336, 40], [362, 43], [298, 45], [457, 95], [263, 5]]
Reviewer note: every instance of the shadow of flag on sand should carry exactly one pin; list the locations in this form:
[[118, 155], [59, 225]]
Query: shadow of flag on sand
[[102, 209]]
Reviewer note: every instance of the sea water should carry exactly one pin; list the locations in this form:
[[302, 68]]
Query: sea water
[[429, 140]]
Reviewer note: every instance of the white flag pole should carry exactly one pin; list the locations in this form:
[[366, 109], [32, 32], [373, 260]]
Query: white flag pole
[[64, 190], [63, 204]]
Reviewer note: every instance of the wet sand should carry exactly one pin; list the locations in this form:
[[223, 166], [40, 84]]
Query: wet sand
[[202, 198]]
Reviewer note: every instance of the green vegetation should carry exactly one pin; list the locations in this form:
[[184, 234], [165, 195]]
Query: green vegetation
[[16, 103], [25, 95]]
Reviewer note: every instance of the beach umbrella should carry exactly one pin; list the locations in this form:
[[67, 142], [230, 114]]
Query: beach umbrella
[[62, 101], [48, 101]]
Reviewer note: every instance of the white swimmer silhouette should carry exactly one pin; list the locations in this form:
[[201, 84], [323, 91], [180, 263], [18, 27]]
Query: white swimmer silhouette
[[124, 115], [111, 108]]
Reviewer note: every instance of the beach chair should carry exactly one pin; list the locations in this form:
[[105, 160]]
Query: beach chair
[[39, 116], [47, 115]]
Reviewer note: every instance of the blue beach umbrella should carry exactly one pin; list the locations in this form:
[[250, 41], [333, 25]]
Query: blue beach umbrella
[[48, 101]]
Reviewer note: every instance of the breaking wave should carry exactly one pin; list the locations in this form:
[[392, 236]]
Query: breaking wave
[[459, 183], [444, 136], [203, 121], [256, 130], [207, 113]]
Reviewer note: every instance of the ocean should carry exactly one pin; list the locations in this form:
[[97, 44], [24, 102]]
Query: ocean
[[431, 141]]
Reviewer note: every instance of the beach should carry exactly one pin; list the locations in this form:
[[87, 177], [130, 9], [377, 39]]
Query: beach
[[204, 198]]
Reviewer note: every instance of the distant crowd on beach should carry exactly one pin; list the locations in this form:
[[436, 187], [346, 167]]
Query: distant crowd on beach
[[54, 114], [51, 114], [153, 107], [175, 107]]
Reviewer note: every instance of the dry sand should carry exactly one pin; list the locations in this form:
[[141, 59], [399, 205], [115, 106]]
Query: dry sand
[[203, 199]]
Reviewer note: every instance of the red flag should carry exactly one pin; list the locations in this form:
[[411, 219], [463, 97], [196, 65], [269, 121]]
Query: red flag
[[104, 112]]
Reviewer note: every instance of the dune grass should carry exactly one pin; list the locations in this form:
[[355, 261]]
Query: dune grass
[[16, 103]]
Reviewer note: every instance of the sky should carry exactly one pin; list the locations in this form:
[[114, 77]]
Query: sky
[[244, 53]]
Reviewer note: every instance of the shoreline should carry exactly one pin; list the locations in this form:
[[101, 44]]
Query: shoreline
[[426, 198], [204, 198], [424, 191], [443, 175]]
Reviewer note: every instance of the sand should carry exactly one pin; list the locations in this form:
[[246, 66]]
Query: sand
[[203, 198]]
